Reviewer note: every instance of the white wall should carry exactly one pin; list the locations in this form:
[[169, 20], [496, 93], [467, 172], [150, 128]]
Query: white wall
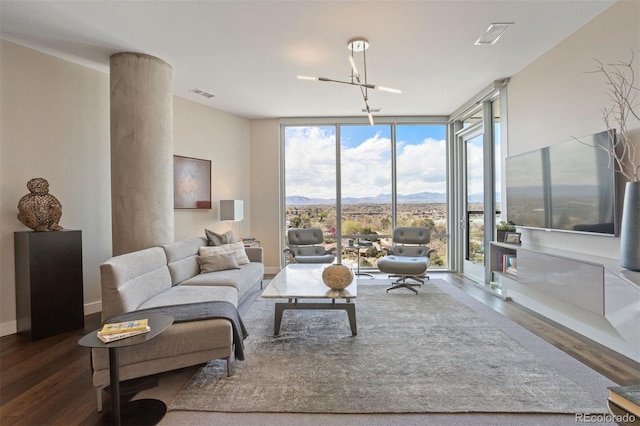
[[223, 138], [550, 101], [265, 190], [55, 124], [554, 99], [54, 118]]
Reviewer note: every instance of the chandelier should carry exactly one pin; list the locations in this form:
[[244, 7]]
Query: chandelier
[[357, 45]]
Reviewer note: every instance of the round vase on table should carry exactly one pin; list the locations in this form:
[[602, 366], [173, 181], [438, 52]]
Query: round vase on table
[[337, 276], [630, 228]]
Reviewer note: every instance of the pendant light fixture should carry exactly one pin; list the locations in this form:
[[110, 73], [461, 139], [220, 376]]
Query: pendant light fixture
[[357, 45]]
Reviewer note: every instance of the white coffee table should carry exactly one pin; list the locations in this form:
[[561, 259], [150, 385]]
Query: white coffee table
[[304, 281]]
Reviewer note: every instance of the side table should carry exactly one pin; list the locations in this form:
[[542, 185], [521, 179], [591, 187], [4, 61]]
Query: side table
[[251, 243], [139, 412], [357, 247]]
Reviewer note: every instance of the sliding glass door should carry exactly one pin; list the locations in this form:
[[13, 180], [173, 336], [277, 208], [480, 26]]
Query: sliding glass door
[[473, 226], [478, 162]]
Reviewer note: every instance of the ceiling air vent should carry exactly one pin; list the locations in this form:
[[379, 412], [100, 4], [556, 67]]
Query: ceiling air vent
[[202, 93], [493, 33]]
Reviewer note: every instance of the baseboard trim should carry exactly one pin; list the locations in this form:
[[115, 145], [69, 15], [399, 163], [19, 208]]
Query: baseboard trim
[[93, 308], [7, 328], [271, 270], [11, 327]]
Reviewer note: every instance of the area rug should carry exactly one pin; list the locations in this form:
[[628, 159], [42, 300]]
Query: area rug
[[424, 353]]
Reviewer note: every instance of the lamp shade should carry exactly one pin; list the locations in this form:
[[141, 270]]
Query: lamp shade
[[231, 209]]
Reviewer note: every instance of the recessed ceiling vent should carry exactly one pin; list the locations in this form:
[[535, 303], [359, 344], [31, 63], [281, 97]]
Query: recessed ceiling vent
[[493, 33], [202, 93]]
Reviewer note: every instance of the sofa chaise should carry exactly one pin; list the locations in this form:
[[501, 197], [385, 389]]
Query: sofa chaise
[[167, 276]]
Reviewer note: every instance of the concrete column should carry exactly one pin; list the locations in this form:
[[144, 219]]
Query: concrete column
[[141, 152]]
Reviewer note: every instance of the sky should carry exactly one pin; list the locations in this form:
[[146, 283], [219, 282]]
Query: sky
[[310, 160]]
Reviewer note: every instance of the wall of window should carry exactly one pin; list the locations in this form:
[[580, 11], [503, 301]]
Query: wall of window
[[357, 182]]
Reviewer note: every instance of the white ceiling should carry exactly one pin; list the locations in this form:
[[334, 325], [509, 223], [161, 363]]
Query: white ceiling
[[248, 53]]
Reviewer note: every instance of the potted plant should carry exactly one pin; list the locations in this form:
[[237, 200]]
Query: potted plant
[[624, 155], [502, 228]]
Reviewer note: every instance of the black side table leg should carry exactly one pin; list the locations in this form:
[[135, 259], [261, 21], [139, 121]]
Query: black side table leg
[[114, 379]]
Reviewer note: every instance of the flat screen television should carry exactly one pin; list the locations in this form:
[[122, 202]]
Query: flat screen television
[[567, 187]]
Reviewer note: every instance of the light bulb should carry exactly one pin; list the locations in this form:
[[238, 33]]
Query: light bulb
[[353, 65]]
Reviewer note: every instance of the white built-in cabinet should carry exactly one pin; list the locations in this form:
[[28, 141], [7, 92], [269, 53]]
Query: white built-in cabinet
[[591, 295]]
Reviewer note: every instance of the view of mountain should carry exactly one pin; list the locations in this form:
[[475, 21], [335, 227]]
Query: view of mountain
[[422, 197]]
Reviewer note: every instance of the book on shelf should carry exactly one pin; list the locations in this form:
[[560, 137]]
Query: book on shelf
[[507, 263], [500, 266], [511, 266], [626, 397], [124, 327], [106, 338]]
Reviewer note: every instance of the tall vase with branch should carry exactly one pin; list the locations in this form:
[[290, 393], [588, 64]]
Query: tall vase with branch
[[624, 155]]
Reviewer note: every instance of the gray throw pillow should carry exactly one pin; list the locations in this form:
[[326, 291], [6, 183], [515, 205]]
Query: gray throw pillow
[[215, 239], [236, 249], [217, 262]]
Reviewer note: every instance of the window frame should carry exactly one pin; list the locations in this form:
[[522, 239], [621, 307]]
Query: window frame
[[337, 122]]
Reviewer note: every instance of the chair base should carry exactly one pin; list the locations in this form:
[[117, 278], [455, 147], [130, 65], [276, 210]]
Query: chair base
[[402, 282], [403, 285], [420, 278]]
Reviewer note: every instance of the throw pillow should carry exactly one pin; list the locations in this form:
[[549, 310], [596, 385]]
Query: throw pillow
[[215, 239], [217, 262], [235, 248]]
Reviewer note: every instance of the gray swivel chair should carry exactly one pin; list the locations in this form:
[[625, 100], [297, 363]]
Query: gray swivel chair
[[409, 257], [305, 246]]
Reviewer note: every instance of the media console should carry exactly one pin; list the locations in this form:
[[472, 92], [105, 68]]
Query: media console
[[591, 295]]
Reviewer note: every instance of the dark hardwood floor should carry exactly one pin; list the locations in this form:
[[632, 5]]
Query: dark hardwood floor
[[48, 382]]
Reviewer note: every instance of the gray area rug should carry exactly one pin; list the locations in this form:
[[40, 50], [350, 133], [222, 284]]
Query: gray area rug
[[425, 353]]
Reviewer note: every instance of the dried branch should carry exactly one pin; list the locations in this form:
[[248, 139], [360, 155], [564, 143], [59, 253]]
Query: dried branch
[[623, 94]]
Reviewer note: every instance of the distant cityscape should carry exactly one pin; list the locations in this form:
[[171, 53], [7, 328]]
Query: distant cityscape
[[420, 197], [372, 216]]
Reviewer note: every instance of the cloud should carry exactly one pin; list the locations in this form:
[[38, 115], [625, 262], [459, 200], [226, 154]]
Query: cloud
[[422, 167], [366, 168], [310, 165], [310, 161]]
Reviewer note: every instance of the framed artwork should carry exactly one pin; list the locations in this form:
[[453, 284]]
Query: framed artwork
[[512, 237], [191, 183]]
